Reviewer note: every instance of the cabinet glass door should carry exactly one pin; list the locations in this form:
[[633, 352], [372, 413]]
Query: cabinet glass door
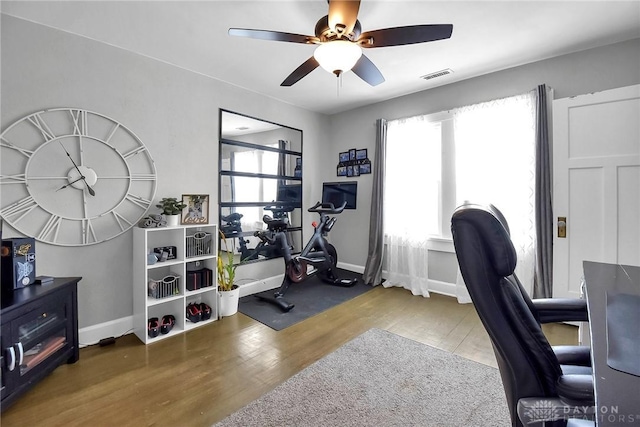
[[39, 335]]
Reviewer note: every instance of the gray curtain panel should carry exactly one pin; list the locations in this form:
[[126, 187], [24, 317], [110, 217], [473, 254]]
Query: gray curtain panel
[[543, 275], [373, 268]]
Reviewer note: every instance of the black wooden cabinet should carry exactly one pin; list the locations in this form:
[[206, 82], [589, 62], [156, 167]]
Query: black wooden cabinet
[[39, 332]]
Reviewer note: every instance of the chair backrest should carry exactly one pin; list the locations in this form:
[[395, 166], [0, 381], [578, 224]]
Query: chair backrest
[[487, 259]]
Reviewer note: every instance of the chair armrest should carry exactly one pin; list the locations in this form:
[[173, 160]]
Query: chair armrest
[[576, 390], [561, 310], [579, 355]]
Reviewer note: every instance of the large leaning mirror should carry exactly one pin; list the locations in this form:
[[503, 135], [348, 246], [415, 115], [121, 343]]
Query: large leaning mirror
[[260, 174]]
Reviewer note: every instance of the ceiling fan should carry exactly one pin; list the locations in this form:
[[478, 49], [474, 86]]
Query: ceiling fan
[[340, 42]]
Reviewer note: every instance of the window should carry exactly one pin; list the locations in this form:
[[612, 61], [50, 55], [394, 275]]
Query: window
[[495, 161], [483, 153], [413, 171], [246, 190]]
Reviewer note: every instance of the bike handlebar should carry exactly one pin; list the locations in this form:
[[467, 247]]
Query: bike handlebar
[[328, 208], [279, 208]]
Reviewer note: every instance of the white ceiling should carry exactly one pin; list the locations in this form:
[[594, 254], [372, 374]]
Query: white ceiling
[[487, 36]]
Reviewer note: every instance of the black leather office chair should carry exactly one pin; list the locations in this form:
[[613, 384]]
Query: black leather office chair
[[538, 380]]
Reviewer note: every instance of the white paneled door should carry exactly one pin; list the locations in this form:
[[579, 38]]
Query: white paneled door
[[596, 183]]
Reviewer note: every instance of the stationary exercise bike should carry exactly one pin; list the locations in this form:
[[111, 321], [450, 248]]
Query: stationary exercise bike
[[233, 228], [318, 256]]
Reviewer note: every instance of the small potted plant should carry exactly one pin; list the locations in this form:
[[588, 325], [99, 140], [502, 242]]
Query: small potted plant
[[171, 209], [229, 291]]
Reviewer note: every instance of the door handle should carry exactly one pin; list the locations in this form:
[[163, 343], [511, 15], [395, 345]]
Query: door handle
[[20, 352], [562, 227], [11, 353]]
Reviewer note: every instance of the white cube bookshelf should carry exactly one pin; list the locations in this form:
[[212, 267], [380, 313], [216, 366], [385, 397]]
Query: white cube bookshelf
[[196, 248]]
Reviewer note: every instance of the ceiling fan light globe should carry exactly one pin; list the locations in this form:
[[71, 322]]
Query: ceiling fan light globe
[[337, 56]]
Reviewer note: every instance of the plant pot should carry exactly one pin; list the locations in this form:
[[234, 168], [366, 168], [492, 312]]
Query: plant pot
[[229, 301], [172, 220]]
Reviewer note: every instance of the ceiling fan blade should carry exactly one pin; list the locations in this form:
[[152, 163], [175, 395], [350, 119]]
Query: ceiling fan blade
[[343, 15], [398, 36], [367, 71], [273, 35], [308, 66]]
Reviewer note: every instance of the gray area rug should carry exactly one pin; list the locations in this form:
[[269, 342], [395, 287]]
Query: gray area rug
[[383, 379]]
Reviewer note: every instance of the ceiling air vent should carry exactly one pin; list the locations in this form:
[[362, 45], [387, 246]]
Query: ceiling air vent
[[437, 74]]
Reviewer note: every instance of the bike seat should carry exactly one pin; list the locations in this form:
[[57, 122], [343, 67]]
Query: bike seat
[[275, 223], [232, 217]]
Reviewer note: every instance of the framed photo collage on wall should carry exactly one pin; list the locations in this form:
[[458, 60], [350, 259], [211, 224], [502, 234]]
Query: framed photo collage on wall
[[354, 162]]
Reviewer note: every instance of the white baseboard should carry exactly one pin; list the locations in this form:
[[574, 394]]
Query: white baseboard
[[92, 335], [437, 286], [351, 267], [443, 288], [114, 328], [261, 285]]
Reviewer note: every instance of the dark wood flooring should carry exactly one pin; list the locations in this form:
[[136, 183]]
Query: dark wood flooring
[[200, 377]]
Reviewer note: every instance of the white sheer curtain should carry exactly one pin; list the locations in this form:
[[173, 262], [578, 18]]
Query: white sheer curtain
[[412, 184], [495, 163]]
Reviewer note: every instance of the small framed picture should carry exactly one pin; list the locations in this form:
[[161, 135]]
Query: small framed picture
[[365, 167], [356, 170], [341, 171], [344, 157], [352, 154], [349, 170], [361, 154], [197, 209]]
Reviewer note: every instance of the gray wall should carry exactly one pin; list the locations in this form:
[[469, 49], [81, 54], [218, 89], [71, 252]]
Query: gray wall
[[173, 111], [583, 72]]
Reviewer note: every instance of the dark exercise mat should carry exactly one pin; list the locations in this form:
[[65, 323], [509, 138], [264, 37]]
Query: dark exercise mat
[[310, 297]]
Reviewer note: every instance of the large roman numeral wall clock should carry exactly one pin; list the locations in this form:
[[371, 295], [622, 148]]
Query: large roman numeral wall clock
[[72, 177]]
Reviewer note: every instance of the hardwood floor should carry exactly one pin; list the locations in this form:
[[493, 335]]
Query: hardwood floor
[[198, 378]]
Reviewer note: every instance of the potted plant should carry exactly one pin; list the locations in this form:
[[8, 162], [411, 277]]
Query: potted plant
[[171, 209], [229, 291]]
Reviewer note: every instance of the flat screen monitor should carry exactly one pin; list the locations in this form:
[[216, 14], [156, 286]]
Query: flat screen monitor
[[339, 192], [290, 194]]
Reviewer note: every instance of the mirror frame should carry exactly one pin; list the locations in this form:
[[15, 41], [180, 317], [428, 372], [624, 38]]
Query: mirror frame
[[236, 141]]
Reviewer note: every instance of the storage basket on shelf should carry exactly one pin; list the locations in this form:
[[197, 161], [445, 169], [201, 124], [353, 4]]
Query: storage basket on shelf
[[164, 288], [199, 244]]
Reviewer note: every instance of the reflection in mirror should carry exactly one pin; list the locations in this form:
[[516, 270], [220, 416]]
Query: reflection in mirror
[[260, 177]]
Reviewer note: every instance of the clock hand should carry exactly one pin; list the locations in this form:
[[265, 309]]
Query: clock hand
[[93, 193], [72, 182], [70, 158]]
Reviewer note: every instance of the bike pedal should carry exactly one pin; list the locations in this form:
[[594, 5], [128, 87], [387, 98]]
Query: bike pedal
[[346, 282]]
